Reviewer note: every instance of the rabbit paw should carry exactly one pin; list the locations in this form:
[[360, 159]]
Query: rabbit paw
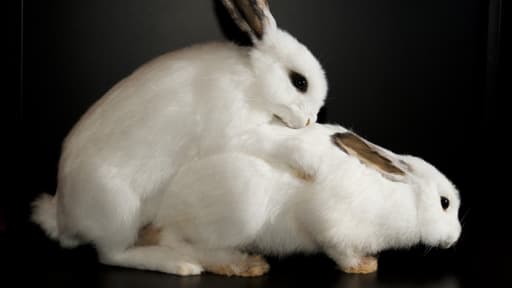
[[187, 269], [366, 265], [251, 266]]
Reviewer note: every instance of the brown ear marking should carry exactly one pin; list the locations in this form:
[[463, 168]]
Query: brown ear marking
[[250, 11], [405, 165], [149, 235], [365, 152]]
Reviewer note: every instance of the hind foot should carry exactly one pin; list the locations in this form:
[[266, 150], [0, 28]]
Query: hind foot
[[366, 265], [248, 266]]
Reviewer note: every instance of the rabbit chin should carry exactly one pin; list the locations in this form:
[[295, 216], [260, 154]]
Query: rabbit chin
[[444, 236]]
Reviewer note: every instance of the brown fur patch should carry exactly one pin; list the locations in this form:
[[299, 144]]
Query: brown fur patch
[[367, 265], [366, 153], [252, 267], [303, 175], [148, 235]]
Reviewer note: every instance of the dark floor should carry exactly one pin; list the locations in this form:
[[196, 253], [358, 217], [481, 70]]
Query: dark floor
[[41, 262]]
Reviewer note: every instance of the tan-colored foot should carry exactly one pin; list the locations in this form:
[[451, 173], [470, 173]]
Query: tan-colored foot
[[187, 269], [367, 265], [252, 266]]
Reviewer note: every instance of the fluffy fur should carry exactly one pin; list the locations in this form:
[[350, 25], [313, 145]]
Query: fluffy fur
[[184, 105], [219, 206]]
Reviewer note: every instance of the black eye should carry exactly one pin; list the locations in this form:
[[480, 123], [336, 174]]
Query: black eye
[[445, 203], [299, 81]]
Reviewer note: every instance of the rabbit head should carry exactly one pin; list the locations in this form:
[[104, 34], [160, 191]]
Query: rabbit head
[[438, 203], [289, 80], [436, 198]]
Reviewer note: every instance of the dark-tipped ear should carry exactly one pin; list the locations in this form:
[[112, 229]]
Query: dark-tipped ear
[[228, 26], [369, 154], [251, 16]]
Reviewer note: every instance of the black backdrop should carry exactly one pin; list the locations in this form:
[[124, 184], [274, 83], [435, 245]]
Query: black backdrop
[[417, 77]]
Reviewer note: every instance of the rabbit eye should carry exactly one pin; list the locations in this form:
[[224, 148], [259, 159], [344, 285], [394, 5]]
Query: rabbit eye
[[445, 203], [299, 81]]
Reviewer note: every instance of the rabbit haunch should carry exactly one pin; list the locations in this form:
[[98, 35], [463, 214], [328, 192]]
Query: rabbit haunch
[[351, 209], [187, 104]]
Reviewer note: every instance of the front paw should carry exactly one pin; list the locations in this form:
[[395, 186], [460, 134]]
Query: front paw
[[187, 269], [366, 265]]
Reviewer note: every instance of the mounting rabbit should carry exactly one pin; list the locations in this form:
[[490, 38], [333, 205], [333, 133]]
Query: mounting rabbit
[[357, 200], [183, 105]]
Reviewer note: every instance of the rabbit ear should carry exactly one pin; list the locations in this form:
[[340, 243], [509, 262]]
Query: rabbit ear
[[370, 155], [251, 16]]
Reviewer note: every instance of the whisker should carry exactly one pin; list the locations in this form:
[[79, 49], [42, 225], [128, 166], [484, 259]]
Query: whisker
[[462, 220], [427, 250]]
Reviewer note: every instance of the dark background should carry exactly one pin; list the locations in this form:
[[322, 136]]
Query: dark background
[[419, 77]]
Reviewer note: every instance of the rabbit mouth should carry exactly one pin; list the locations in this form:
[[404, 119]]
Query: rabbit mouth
[[278, 118]]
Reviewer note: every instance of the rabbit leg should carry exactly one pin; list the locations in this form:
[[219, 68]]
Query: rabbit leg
[[229, 262], [155, 258], [98, 207], [233, 263], [351, 262]]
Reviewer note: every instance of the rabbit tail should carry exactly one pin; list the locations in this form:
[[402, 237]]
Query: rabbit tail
[[44, 214]]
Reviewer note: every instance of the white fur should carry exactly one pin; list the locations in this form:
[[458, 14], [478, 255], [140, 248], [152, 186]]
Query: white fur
[[184, 105], [234, 201], [45, 214], [239, 200]]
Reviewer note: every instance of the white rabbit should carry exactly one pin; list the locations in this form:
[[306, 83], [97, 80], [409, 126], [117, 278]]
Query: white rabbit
[[359, 199], [181, 106]]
